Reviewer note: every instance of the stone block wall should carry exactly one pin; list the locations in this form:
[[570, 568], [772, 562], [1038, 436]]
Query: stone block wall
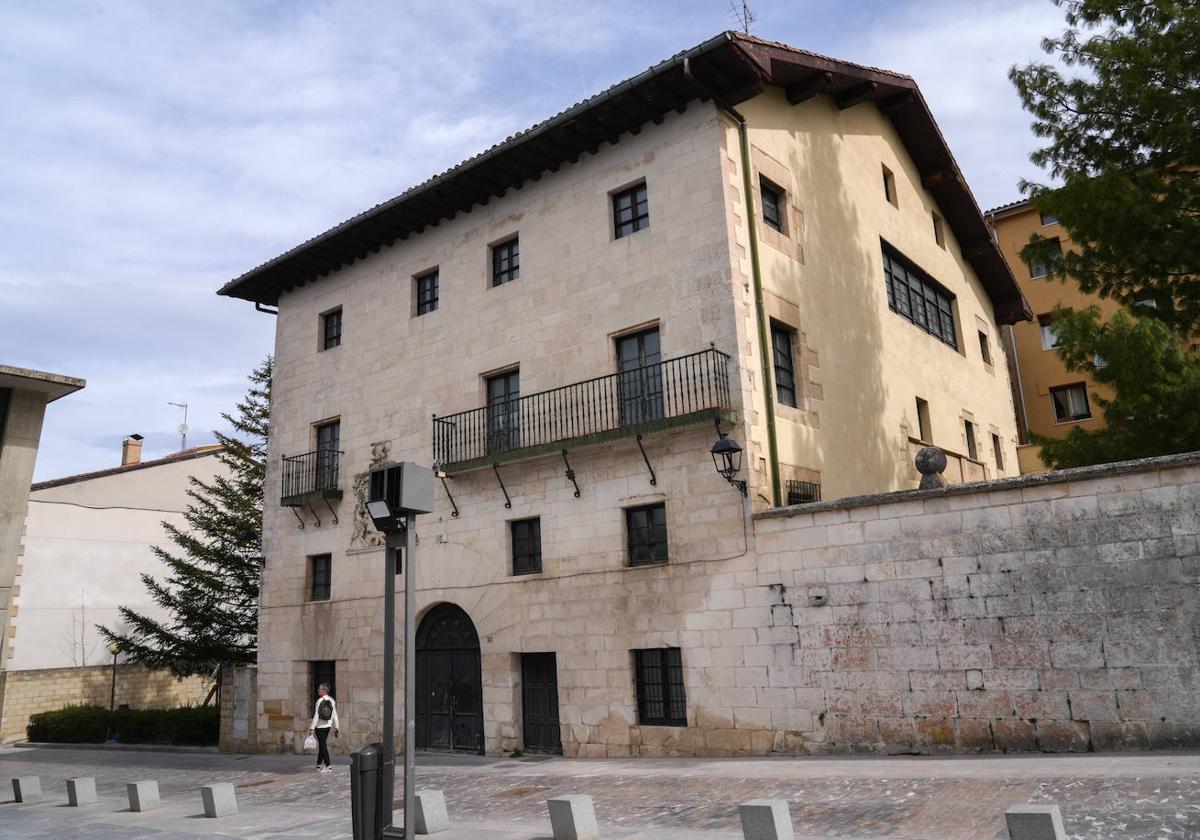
[[239, 704], [45, 689]]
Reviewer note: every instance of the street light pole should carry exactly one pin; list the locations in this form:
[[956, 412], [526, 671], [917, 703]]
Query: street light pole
[[410, 672], [394, 542], [114, 649]]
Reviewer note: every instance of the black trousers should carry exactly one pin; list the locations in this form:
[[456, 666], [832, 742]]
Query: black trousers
[[323, 746]]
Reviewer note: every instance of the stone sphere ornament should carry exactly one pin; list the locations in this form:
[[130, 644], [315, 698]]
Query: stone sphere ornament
[[931, 462]]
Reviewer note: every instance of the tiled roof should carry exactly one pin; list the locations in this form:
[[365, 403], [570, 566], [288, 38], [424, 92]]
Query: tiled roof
[[185, 455]]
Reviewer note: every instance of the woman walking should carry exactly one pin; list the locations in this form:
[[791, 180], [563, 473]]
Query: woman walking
[[324, 718]]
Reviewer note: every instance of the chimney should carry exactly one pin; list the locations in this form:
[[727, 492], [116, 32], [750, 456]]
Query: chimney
[[131, 450]]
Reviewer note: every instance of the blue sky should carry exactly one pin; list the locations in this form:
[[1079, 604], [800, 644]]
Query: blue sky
[[152, 151]]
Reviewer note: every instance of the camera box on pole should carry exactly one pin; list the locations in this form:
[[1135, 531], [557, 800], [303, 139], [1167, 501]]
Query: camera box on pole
[[406, 487]]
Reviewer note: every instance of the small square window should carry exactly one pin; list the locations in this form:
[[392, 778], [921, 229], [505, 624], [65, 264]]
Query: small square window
[[1049, 333], [526, 546], [1042, 267], [1070, 403], [923, 424], [631, 211], [939, 234], [506, 262], [985, 348], [998, 451], [331, 329], [1048, 219], [427, 292], [785, 368], [658, 677], [889, 187], [322, 672], [972, 449], [773, 204], [320, 570], [646, 528]]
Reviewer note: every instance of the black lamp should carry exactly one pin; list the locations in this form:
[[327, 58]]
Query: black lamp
[[727, 458]]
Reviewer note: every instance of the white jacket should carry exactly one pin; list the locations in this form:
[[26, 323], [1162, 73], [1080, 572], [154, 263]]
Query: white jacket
[[317, 723]]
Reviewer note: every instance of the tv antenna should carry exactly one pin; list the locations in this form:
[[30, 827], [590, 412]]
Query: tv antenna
[[741, 11], [183, 429]]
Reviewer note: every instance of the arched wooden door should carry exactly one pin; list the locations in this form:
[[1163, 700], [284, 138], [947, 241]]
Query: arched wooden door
[[449, 682]]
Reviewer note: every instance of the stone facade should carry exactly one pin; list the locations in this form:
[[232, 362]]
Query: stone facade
[[41, 690]]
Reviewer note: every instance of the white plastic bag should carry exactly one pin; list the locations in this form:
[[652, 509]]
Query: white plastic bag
[[310, 743]]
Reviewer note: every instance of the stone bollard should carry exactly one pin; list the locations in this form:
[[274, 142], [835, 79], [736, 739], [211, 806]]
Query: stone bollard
[[931, 462], [220, 800], [27, 789], [81, 791], [766, 819], [143, 796], [429, 813], [573, 818], [1035, 822]]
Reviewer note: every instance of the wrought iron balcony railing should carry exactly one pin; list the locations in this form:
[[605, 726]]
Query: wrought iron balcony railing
[[668, 393], [310, 477]]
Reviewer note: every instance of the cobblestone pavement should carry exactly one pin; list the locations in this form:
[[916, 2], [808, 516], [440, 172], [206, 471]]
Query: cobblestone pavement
[[1151, 795]]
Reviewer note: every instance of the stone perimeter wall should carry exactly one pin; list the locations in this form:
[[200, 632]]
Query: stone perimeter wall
[[40, 690], [1056, 612]]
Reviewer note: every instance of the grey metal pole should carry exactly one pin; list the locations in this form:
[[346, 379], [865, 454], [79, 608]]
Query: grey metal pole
[[410, 672], [388, 768]]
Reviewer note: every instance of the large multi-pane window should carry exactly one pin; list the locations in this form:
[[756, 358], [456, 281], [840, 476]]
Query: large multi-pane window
[[785, 368], [631, 211], [1070, 403], [322, 672], [639, 380], [658, 675], [506, 262], [526, 546], [917, 297], [320, 573], [329, 444], [331, 329], [646, 529], [504, 411], [427, 291], [772, 204]]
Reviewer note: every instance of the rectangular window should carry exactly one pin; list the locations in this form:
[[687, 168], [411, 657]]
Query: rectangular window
[[504, 411], [1049, 333], [1099, 362], [923, 425], [526, 546], [998, 451], [320, 569], [427, 292], [329, 444], [640, 377], [939, 234], [1070, 403], [658, 676], [506, 262], [917, 297], [1048, 219], [972, 449], [646, 528], [985, 349], [631, 211], [803, 492], [772, 204], [785, 373], [321, 672], [1041, 267], [889, 187], [331, 329]]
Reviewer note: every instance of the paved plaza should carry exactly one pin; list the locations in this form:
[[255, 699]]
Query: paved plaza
[[1150, 795]]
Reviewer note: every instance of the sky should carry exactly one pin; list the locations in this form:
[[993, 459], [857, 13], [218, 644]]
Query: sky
[[152, 151]]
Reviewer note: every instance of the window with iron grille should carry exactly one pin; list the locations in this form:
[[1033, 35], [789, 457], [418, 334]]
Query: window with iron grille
[[917, 297], [803, 492], [772, 204], [526, 546], [506, 262], [320, 566], [785, 368], [427, 292], [322, 671], [631, 211], [331, 329], [658, 676], [646, 528]]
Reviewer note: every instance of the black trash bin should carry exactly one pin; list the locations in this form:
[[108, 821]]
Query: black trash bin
[[365, 789]]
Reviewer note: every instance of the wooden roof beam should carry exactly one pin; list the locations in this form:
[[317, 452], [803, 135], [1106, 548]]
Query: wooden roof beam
[[810, 87], [856, 95]]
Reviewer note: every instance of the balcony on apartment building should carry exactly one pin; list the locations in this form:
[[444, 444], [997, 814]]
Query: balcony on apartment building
[[311, 477], [636, 400]]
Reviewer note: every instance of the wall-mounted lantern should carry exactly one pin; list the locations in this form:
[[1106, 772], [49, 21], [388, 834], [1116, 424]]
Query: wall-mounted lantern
[[727, 458]]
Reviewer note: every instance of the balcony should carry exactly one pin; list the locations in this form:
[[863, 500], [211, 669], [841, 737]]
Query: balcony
[[311, 477], [674, 392]]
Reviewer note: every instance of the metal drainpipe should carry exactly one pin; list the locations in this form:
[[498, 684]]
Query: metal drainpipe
[[760, 312]]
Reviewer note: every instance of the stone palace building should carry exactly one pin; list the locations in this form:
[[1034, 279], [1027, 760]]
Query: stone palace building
[[747, 239]]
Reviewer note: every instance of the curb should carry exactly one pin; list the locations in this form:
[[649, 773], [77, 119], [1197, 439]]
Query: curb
[[151, 748]]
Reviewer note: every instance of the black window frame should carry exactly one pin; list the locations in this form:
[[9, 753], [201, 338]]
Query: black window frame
[[320, 577], [331, 329], [506, 261], [998, 451], [636, 201], [322, 671], [525, 537], [915, 296], [646, 541], [774, 206], [783, 363], [427, 291], [1086, 400], [659, 686], [1047, 218], [985, 348], [502, 393], [972, 443]]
